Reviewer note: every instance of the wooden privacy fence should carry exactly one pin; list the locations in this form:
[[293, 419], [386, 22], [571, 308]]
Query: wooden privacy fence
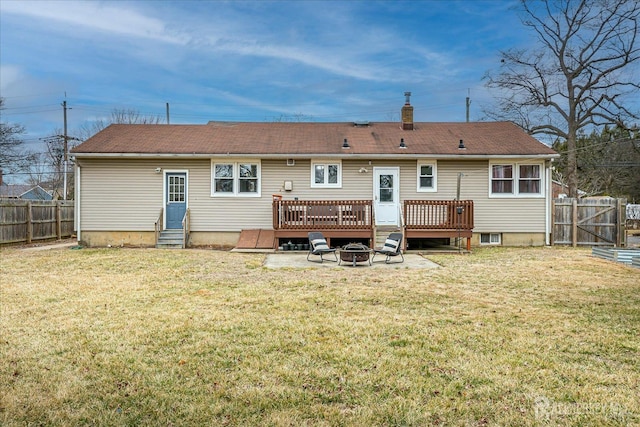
[[592, 222], [25, 221]]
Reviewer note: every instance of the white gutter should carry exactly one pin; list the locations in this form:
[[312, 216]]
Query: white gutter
[[408, 156]]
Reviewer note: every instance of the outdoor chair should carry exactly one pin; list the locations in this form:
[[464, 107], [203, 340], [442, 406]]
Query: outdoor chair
[[318, 246], [391, 248]]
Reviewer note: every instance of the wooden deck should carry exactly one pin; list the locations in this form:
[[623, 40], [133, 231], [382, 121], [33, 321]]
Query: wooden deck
[[355, 219], [438, 219]]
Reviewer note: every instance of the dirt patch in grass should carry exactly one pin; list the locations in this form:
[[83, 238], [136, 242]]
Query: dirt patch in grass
[[195, 337]]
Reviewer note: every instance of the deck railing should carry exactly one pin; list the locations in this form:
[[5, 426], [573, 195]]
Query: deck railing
[[322, 214], [438, 214]]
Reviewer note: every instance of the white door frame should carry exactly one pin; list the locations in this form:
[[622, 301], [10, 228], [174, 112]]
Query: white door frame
[[165, 191], [386, 213]]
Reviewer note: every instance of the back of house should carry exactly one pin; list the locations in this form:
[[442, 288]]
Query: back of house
[[219, 182]]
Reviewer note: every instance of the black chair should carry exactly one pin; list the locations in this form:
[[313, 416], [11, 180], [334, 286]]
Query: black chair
[[391, 248], [318, 246]]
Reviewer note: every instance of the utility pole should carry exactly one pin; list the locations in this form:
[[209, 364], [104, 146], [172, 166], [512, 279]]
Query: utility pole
[[66, 138]]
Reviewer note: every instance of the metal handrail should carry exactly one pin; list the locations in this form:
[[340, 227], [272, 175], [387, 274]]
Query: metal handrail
[[158, 225], [186, 227], [402, 227]]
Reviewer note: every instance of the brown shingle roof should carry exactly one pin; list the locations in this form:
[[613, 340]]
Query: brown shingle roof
[[290, 139]]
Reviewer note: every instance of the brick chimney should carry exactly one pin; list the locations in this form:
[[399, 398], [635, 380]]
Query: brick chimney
[[407, 113]]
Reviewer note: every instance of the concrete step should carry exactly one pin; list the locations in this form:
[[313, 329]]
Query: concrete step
[[170, 239]]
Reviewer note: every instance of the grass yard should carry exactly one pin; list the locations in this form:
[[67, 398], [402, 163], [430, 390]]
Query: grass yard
[[533, 336]]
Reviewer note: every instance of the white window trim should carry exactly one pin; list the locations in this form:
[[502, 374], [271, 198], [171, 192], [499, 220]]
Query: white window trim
[[516, 181], [236, 178], [326, 163], [499, 242], [434, 166]]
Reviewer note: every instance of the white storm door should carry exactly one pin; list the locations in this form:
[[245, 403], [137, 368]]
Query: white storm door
[[386, 199]]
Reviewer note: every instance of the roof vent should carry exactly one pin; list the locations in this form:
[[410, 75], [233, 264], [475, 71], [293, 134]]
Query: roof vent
[[361, 124], [345, 144], [461, 145], [402, 144]]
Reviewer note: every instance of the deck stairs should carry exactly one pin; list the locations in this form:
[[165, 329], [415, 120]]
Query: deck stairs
[[382, 232], [171, 239]]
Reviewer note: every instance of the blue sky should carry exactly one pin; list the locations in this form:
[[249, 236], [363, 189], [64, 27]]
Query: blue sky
[[248, 60]]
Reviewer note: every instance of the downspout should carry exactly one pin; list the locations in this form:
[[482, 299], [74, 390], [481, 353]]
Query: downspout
[[76, 202], [547, 198]]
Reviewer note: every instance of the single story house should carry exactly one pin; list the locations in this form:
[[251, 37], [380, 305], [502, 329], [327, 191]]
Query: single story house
[[24, 192], [221, 183]]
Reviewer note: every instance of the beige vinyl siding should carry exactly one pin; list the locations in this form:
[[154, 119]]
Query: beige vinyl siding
[[127, 194], [355, 185], [119, 196], [513, 214]]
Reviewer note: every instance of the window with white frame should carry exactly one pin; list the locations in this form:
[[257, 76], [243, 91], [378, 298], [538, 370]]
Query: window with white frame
[[529, 179], [240, 179], [326, 174], [427, 177], [490, 239], [516, 179]]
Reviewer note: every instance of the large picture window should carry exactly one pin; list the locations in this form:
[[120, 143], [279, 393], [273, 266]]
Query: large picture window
[[516, 180], [236, 179], [326, 174], [427, 177]]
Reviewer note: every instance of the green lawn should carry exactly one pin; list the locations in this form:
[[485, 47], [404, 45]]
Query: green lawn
[[533, 336]]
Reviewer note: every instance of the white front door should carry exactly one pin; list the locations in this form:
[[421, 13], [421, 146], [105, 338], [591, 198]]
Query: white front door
[[386, 199]]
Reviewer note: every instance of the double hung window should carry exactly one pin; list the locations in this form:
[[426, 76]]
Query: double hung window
[[427, 178], [516, 180], [241, 179]]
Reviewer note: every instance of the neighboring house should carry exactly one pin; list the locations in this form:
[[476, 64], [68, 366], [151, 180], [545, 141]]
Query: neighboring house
[[561, 190], [345, 179], [24, 192]]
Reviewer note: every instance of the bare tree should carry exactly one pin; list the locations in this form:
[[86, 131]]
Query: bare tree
[[10, 142], [608, 163], [579, 75], [119, 116]]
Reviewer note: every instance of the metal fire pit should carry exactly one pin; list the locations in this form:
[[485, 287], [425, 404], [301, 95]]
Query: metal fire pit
[[355, 253]]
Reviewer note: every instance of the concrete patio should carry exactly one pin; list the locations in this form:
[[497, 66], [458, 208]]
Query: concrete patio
[[299, 260]]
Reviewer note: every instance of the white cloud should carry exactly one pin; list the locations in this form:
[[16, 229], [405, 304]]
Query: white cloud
[[9, 75], [348, 47], [111, 18]]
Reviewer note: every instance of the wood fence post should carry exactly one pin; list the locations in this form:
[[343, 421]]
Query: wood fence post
[[621, 218], [29, 223], [58, 220], [553, 221], [574, 222]]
